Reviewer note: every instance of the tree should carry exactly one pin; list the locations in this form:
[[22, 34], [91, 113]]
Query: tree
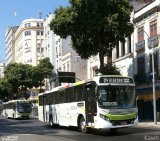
[[95, 26], [43, 70], [5, 89], [19, 76]]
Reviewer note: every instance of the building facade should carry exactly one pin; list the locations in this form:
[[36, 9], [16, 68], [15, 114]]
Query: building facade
[[134, 58], [29, 42], [1, 69], [147, 43], [9, 45]]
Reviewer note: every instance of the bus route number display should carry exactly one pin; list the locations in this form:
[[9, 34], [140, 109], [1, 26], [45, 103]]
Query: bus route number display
[[116, 80]]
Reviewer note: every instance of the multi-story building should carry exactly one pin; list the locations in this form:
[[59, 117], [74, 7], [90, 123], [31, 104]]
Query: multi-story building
[[61, 54], [134, 58], [29, 42], [1, 69], [146, 41], [9, 45]]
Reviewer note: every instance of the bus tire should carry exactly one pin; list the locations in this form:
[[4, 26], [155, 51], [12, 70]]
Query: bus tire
[[82, 125], [51, 121]]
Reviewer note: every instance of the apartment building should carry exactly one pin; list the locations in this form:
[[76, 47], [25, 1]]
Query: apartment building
[[29, 42], [9, 45], [1, 69]]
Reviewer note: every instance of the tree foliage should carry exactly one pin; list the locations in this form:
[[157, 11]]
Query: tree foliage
[[5, 89], [21, 77], [109, 69], [43, 70], [95, 26]]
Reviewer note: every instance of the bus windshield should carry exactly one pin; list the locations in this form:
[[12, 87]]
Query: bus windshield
[[116, 96], [23, 107]]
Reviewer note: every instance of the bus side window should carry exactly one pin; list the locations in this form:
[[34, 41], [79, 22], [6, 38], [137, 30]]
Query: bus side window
[[79, 93], [70, 94], [62, 96]]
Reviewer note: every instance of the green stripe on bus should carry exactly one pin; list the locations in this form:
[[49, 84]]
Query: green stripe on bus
[[121, 117]]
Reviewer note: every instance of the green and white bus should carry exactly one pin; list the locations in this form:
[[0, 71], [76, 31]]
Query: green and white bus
[[17, 109], [105, 102]]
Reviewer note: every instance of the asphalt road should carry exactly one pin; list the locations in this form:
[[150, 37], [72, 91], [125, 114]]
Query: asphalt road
[[34, 130]]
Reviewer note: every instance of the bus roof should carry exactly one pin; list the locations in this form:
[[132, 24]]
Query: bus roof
[[118, 79]]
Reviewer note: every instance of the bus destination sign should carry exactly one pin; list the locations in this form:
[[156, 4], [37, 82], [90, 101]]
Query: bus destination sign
[[116, 80]]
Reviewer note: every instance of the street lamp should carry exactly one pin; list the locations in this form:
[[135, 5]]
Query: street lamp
[[153, 81]]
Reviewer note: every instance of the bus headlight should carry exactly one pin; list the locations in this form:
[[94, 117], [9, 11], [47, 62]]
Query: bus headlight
[[104, 117]]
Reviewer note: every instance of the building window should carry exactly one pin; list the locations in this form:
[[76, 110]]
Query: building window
[[27, 25], [40, 24], [153, 28], [40, 33], [122, 48], [140, 34], [141, 65], [27, 33]]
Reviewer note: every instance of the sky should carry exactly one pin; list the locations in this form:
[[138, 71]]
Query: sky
[[13, 12]]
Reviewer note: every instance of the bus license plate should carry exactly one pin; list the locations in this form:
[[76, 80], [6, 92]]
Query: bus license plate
[[123, 123]]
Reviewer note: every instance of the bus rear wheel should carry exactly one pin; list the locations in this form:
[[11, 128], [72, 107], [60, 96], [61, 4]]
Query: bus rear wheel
[[82, 125]]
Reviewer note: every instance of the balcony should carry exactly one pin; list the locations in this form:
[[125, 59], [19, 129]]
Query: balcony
[[154, 40], [140, 46]]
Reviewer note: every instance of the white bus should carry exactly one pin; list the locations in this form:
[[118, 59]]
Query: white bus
[[105, 102], [17, 109]]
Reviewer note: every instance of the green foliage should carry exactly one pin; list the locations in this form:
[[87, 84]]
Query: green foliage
[[46, 67], [94, 26], [5, 89], [20, 77], [109, 69], [43, 70]]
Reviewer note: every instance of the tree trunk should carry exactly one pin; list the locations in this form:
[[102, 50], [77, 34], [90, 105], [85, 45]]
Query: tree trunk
[[101, 58], [109, 57]]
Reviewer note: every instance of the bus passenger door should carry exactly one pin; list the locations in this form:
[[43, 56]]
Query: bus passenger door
[[90, 102]]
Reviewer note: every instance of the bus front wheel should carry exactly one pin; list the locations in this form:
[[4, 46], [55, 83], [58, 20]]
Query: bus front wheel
[[82, 125]]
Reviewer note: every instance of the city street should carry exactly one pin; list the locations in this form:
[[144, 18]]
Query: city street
[[34, 130]]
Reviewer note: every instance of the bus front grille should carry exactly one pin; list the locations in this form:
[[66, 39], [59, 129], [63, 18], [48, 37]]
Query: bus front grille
[[122, 122]]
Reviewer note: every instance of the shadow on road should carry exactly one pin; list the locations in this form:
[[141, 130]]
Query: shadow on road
[[33, 126]]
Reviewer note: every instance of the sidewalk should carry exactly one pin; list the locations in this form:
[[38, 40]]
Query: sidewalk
[[149, 125]]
